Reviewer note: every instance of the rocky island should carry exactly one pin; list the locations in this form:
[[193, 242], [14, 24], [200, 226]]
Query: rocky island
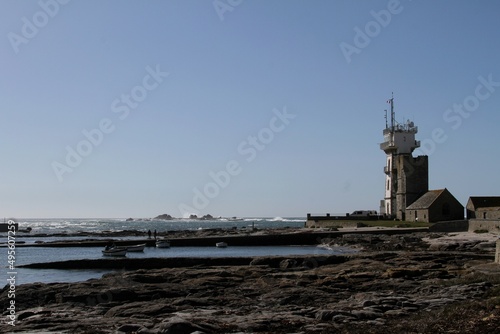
[[402, 283], [164, 216]]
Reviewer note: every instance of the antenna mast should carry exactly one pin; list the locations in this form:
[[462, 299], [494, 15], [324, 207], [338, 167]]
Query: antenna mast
[[392, 112]]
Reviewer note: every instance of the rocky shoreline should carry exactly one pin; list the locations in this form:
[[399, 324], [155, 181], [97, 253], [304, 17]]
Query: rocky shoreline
[[207, 238], [403, 283]]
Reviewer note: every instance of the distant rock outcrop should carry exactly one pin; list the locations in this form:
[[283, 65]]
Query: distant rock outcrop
[[164, 216], [207, 217]]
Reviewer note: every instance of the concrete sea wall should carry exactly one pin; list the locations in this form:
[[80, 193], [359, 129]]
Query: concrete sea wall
[[490, 225], [333, 223], [450, 226]]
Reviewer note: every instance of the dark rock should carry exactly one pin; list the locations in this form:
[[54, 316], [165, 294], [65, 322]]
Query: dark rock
[[367, 303], [376, 322], [164, 216], [409, 305], [266, 261], [366, 314], [381, 308], [397, 312], [325, 315], [355, 293], [139, 309], [25, 315], [178, 325], [343, 318], [288, 263], [195, 302], [407, 273], [129, 328]]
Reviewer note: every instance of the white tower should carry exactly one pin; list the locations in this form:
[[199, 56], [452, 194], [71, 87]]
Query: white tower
[[399, 143]]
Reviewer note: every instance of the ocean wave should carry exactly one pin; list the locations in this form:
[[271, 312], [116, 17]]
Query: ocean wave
[[281, 219], [275, 219], [74, 225]]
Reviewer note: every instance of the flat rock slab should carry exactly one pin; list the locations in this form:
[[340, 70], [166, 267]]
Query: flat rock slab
[[367, 292]]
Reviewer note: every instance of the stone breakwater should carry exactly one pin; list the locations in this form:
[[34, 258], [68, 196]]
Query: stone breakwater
[[396, 284]]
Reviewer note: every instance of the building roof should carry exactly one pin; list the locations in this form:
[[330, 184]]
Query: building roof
[[426, 200], [484, 202]]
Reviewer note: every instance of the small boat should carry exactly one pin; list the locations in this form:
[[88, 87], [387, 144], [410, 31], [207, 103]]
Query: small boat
[[162, 244], [115, 251], [136, 248], [221, 244]]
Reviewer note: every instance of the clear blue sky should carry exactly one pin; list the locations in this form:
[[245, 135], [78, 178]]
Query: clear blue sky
[[69, 68]]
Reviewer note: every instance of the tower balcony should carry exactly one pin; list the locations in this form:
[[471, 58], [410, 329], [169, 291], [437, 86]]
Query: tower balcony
[[390, 146], [387, 146]]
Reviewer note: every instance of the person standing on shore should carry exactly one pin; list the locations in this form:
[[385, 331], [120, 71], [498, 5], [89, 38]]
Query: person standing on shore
[[155, 234], [149, 234]]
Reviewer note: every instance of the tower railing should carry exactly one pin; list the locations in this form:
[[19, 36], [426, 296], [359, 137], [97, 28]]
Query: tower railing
[[387, 145]]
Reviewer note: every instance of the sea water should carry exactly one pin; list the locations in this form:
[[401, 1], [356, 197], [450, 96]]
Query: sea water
[[72, 226], [27, 255]]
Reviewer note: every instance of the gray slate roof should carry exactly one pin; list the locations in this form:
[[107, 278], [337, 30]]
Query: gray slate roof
[[485, 201], [426, 200]]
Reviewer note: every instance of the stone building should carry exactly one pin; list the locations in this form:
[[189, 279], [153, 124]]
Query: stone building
[[483, 213], [485, 207], [434, 206], [412, 183], [407, 177]]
